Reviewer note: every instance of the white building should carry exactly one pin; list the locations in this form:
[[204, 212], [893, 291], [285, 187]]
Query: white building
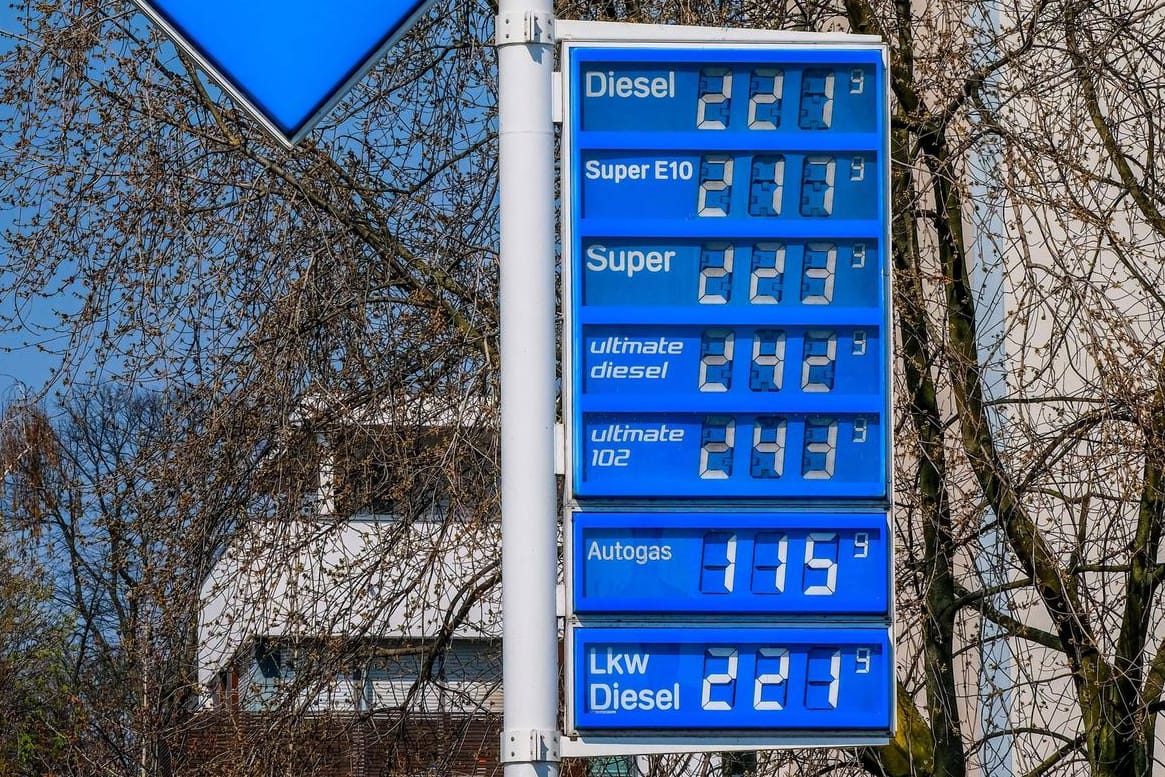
[[378, 599]]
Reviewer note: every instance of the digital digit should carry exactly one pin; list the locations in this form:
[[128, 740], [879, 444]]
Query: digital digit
[[766, 185], [715, 185], [770, 689], [821, 557], [820, 271], [858, 255], [857, 81], [768, 274], [818, 367], [859, 342], [716, 352], [720, 667], [717, 441], [770, 552], [857, 168], [715, 101], [820, 452], [768, 448], [822, 679], [768, 360], [861, 545], [718, 565], [817, 186], [862, 661], [716, 273], [766, 87], [816, 99]]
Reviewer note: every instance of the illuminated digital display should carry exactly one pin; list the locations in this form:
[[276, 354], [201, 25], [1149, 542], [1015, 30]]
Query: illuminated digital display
[[728, 276], [725, 563], [733, 678]]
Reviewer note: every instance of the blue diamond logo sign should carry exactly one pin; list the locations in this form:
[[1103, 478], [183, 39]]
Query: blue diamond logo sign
[[285, 61]]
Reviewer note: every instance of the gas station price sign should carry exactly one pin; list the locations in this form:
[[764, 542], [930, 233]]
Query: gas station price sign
[[727, 273], [727, 393]]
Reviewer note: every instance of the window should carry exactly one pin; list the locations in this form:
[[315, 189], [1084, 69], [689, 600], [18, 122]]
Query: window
[[268, 659], [612, 766], [739, 764]]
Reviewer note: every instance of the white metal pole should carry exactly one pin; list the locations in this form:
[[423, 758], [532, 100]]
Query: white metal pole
[[525, 42], [988, 251]]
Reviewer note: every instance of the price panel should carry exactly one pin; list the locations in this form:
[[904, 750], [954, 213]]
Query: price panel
[[765, 91], [726, 454], [699, 363], [790, 279], [740, 185], [727, 267], [733, 679], [723, 563]]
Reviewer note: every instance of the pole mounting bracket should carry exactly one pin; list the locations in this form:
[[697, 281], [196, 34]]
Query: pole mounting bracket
[[530, 746], [522, 27]]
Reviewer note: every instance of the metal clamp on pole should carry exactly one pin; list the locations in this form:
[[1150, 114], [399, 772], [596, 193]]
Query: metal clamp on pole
[[523, 27], [530, 746]]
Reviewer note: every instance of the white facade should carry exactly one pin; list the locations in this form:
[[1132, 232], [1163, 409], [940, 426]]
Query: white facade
[[367, 612]]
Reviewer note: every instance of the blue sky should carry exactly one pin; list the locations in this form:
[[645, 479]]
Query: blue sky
[[25, 368], [21, 368], [8, 23]]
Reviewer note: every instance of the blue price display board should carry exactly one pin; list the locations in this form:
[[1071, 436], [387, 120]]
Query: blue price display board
[[731, 563], [727, 394], [727, 264], [733, 679]]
